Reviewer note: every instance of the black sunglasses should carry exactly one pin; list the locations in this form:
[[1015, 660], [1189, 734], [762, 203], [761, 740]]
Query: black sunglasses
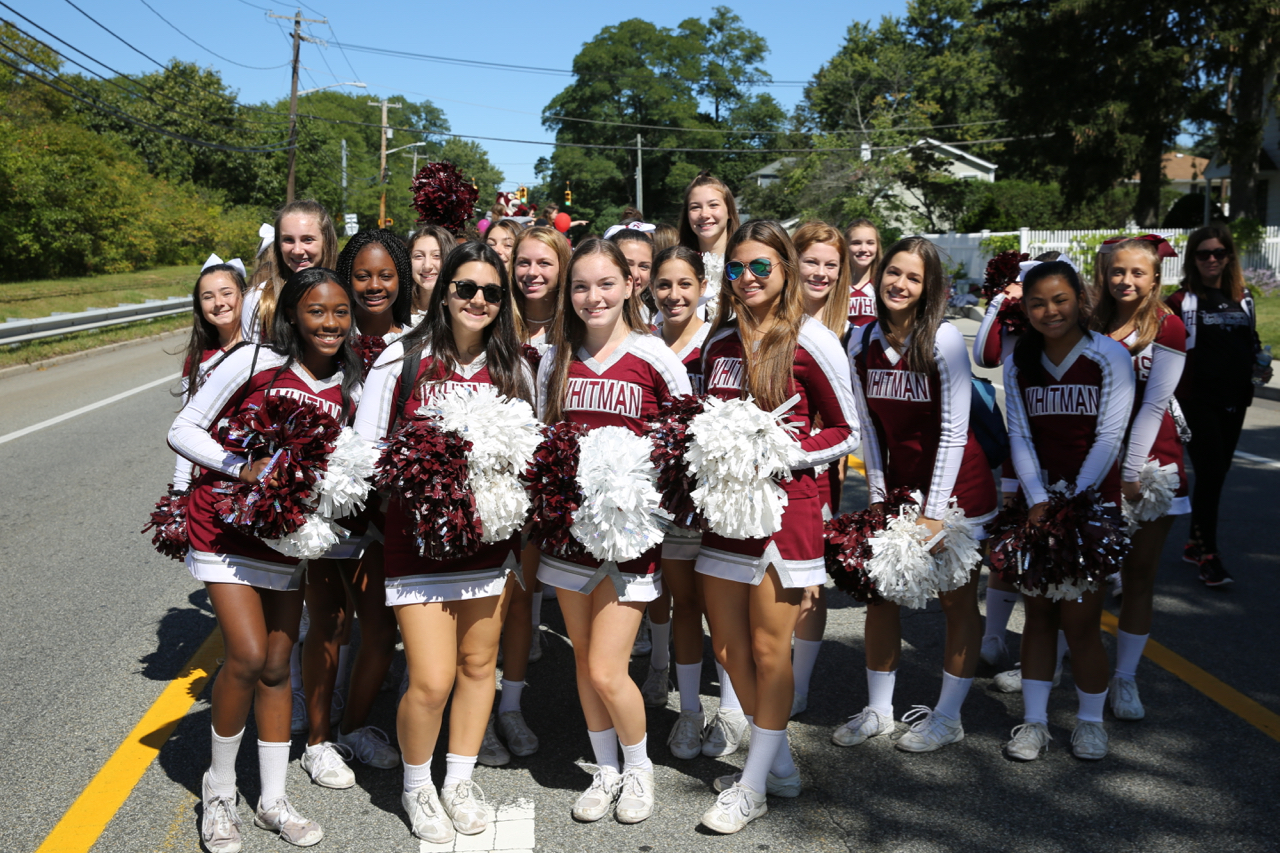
[[466, 291], [1216, 254], [760, 267]]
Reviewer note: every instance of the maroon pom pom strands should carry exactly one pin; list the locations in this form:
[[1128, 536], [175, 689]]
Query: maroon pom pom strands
[[426, 467], [847, 545], [368, 347], [442, 196], [671, 437], [552, 480], [169, 520]]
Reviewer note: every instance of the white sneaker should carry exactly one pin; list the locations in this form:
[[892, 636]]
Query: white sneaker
[[867, 723], [298, 724], [595, 802], [685, 740], [643, 645], [1029, 742], [799, 704], [220, 824], [734, 809], [1122, 693], [725, 734], [492, 752], [427, 819], [635, 796], [656, 687], [371, 745], [465, 805], [1089, 740], [778, 786], [283, 819], [1011, 680], [325, 765], [520, 739], [993, 650], [929, 731]]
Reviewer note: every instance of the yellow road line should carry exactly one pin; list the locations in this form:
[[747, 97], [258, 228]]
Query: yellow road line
[[856, 464], [1253, 713], [89, 815]]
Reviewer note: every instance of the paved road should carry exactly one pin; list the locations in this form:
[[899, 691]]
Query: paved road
[[94, 624]]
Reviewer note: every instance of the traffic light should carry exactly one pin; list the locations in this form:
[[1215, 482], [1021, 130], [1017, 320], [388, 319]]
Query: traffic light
[[568, 194], [522, 193]]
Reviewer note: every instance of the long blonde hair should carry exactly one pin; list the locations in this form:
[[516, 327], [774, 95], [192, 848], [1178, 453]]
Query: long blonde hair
[[878, 259], [1146, 320], [835, 312], [328, 257], [552, 239], [768, 375]]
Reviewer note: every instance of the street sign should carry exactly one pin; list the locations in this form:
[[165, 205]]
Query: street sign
[[351, 224]]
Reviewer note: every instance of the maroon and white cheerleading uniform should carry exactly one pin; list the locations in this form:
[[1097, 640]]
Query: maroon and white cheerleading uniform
[[220, 552], [992, 343], [627, 389], [680, 543], [821, 381], [915, 426], [184, 471], [862, 304], [410, 577], [1068, 423], [1153, 434]]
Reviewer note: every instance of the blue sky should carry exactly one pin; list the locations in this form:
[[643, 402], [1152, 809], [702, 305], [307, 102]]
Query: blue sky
[[477, 102]]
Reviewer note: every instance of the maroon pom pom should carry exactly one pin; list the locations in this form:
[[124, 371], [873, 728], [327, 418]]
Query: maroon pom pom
[[368, 347], [671, 437], [1011, 316], [298, 438], [1076, 541], [1002, 271], [169, 519], [443, 197], [532, 356], [552, 480], [426, 467], [847, 545]]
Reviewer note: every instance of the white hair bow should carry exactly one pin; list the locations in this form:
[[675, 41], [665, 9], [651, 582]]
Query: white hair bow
[[214, 260], [1028, 266], [634, 226], [267, 236]]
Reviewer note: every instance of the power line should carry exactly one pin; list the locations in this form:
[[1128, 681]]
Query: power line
[[206, 48], [109, 32]]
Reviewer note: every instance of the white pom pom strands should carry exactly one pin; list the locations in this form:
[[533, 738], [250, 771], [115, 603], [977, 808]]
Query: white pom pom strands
[[960, 554], [1157, 486], [904, 570], [504, 435], [616, 520], [310, 541], [737, 453], [345, 485]]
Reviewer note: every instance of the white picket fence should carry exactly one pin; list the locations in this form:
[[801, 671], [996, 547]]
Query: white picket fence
[[966, 250]]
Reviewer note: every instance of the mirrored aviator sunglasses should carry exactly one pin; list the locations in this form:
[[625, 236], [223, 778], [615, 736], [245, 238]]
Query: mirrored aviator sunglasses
[[466, 291], [760, 267]]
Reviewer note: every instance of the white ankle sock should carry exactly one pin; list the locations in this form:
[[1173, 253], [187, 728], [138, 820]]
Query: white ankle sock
[[1091, 705], [688, 677], [954, 690], [605, 746], [728, 699], [1129, 648], [783, 763], [660, 634], [804, 654], [416, 775], [273, 764], [999, 609], [457, 768], [765, 744], [511, 692], [880, 691], [636, 756], [1035, 700], [222, 768]]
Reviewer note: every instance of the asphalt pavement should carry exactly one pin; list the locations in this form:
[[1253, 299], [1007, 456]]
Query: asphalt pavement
[[94, 624]]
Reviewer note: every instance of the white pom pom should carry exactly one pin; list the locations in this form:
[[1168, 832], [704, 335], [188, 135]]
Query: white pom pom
[[901, 566], [310, 541], [504, 435], [1157, 486], [616, 519], [737, 451], [955, 561], [347, 474]]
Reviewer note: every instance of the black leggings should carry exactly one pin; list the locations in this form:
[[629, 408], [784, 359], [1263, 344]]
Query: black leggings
[[1215, 430]]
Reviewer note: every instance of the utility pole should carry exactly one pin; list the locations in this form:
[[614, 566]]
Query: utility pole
[[639, 184], [298, 38], [344, 176], [382, 173]]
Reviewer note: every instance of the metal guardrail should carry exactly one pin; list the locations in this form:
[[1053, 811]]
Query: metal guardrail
[[21, 331]]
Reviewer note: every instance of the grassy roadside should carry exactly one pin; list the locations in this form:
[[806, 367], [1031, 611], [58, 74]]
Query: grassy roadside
[[80, 341], [1269, 321]]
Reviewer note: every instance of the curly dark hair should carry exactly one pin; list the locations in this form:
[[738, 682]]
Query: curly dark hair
[[402, 307]]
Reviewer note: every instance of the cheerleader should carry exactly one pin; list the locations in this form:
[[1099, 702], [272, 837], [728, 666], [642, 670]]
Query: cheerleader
[[825, 272], [764, 346], [428, 247], [1069, 394], [501, 237], [605, 369], [450, 611], [710, 216], [677, 287], [303, 237], [541, 261], [256, 591], [913, 387], [863, 240], [636, 244], [1131, 312]]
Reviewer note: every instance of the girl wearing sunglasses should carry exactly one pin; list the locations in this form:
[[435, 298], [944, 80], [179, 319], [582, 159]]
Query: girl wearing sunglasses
[[1216, 387], [605, 369], [764, 347], [450, 611]]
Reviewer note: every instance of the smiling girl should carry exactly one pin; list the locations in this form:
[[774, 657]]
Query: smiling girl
[[863, 240], [304, 237], [710, 216], [381, 275], [501, 237], [541, 260], [428, 247], [255, 590]]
